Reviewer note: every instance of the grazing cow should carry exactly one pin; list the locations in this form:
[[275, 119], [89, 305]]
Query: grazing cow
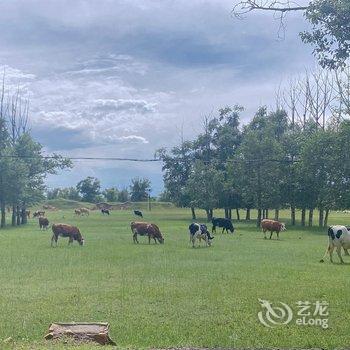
[[64, 230], [77, 211], [38, 213], [146, 229], [138, 213], [338, 237], [28, 213], [199, 231], [226, 224], [272, 226], [85, 211], [43, 223], [105, 211]]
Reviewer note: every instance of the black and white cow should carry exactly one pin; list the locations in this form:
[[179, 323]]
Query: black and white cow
[[226, 224], [138, 213], [199, 231], [105, 211], [338, 237]]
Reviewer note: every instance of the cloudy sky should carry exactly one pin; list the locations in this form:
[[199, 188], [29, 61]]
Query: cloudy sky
[[118, 78]]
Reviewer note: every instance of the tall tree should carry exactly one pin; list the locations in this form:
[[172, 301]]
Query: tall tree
[[140, 189], [89, 189]]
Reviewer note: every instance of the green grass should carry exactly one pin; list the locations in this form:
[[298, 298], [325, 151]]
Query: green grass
[[159, 296]]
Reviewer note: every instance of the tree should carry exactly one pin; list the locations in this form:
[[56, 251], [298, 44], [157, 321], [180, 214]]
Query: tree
[[111, 194], [329, 19], [123, 195], [140, 189], [89, 189], [204, 186]]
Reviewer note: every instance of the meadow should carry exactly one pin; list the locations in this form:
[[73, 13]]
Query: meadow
[[162, 296]]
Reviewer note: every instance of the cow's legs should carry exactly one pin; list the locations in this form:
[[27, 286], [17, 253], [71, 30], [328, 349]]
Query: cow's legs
[[346, 252], [339, 254], [213, 229], [70, 241], [53, 238], [330, 251], [193, 239], [264, 233], [271, 234], [134, 237], [223, 229], [278, 235]]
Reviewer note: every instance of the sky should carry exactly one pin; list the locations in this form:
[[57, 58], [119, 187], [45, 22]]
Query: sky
[[117, 78]]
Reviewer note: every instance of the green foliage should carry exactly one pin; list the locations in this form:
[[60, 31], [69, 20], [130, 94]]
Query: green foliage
[[111, 194], [330, 32], [89, 189], [140, 189]]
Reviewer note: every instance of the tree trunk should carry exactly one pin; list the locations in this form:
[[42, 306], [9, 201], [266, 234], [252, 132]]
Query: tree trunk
[[23, 216], [325, 223], [303, 215], [208, 211], [311, 217], [226, 213], [18, 216], [292, 215], [237, 212], [277, 214], [258, 220], [230, 213], [13, 221], [211, 213], [266, 213], [320, 218], [3, 214], [193, 212], [247, 215]]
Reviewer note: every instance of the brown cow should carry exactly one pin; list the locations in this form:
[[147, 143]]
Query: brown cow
[[77, 212], [43, 223], [85, 211], [66, 231], [272, 226], [146, 229]]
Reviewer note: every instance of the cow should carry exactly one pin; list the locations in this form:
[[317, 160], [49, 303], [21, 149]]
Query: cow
[[199, 231], [38, 213], [226, 225], [64, 230], [146, 229], [77, 211], [338, 237], [28, 213], [105, 211], [138, 213], [43, 223], [272, 226], [85, 211]]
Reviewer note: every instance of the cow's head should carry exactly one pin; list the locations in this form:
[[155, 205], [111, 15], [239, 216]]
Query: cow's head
[[161, 239], [81, 241], [283, 227], [231, 228]]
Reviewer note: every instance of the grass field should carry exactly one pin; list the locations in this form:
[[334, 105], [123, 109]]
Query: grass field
[[160, 296]]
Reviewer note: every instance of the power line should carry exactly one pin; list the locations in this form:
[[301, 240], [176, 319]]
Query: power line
[[83, 158]]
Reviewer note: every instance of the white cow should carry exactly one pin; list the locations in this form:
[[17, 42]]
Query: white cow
[[339, 237]]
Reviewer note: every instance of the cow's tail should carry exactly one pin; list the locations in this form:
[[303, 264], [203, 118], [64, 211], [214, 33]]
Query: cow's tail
[[330, 240]]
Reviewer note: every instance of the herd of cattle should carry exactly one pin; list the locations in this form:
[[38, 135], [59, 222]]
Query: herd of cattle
[[338, 235]]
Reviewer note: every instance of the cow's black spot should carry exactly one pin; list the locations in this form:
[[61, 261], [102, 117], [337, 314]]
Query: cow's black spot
[[339, 233], [331, 233]]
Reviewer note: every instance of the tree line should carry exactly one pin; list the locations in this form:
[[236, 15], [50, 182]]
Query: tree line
[[295, 156], [89, 190]]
